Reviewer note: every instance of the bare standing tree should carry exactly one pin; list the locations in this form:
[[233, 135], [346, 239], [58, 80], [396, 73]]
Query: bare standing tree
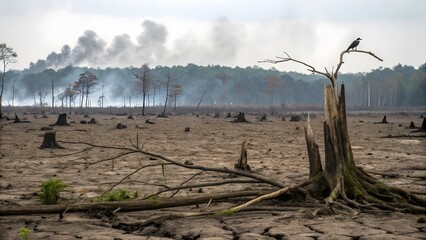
[[176, 91], [271, 86], [7, 55], [53, 95], [41, 97], [225, 79], [144, 78], [169, 78]]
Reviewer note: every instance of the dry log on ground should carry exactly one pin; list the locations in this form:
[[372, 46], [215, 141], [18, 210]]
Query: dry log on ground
[[125, 206]]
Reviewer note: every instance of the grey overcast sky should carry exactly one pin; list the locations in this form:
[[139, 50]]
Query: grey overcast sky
[[101, 33]]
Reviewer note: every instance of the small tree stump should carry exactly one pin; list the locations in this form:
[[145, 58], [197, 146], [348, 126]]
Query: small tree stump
[[295, 118], [412, 126], [130, 117], [424, 124], [92, 121], [121, 126], [384, 121], [241, 118], [62, 120], [263, 118], [242, 161], [49, 140], [18, 120]]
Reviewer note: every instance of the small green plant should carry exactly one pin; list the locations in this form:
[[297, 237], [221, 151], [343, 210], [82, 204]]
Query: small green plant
[[120, 195], [50, 191], [24, 233]]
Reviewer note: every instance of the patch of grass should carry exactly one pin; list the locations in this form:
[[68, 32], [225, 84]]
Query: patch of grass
[[24, 233], [120, 195], [50, 191]]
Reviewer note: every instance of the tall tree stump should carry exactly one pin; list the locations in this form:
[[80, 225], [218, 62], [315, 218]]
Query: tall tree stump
[[49, 140], [242, 161], [341, 178]]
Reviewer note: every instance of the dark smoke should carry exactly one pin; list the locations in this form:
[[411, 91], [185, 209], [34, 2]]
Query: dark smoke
[[221, 45]]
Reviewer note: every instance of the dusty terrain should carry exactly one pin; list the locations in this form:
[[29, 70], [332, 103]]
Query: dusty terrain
[[276, 149]]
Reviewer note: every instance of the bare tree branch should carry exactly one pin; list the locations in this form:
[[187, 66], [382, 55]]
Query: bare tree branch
[[209, 184], [130, 174], [174, 162]]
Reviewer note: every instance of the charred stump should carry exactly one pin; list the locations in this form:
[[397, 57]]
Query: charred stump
[[49, 140], [241, 118], [62, 120], [412, 126], [242, 161], [263, 118], [424, 125]]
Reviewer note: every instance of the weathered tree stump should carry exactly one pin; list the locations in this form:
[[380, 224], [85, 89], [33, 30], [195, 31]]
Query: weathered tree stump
[[49, 140], [62, 120], [295, 118], [412, 126], [121, 126], [341, 178], [263, 118], [216, 115], [384, 121], [92, 121], [130, 117], [241, 118], [242, 161], [17, 120]]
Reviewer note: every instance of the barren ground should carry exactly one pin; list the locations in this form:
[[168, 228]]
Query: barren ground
[[276, 149]]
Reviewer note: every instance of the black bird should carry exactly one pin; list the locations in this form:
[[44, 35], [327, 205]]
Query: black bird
[[354, 44]]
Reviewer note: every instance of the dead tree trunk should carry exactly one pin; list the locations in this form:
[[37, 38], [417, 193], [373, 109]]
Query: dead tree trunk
[[49, 140], [341, 178], [344, 179]]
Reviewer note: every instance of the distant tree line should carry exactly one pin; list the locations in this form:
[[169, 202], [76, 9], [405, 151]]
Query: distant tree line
[[219, 86]]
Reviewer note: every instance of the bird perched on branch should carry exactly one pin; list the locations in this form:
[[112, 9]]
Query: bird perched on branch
[[354, 44]]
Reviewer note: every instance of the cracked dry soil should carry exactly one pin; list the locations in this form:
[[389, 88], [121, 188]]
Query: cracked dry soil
[[275, 148]]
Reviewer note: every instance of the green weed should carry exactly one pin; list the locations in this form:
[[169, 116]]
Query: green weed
[[24, 233], [50, 191], [120, 195]]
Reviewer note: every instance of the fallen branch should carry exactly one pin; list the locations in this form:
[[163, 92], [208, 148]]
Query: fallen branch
[[264, 197]]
